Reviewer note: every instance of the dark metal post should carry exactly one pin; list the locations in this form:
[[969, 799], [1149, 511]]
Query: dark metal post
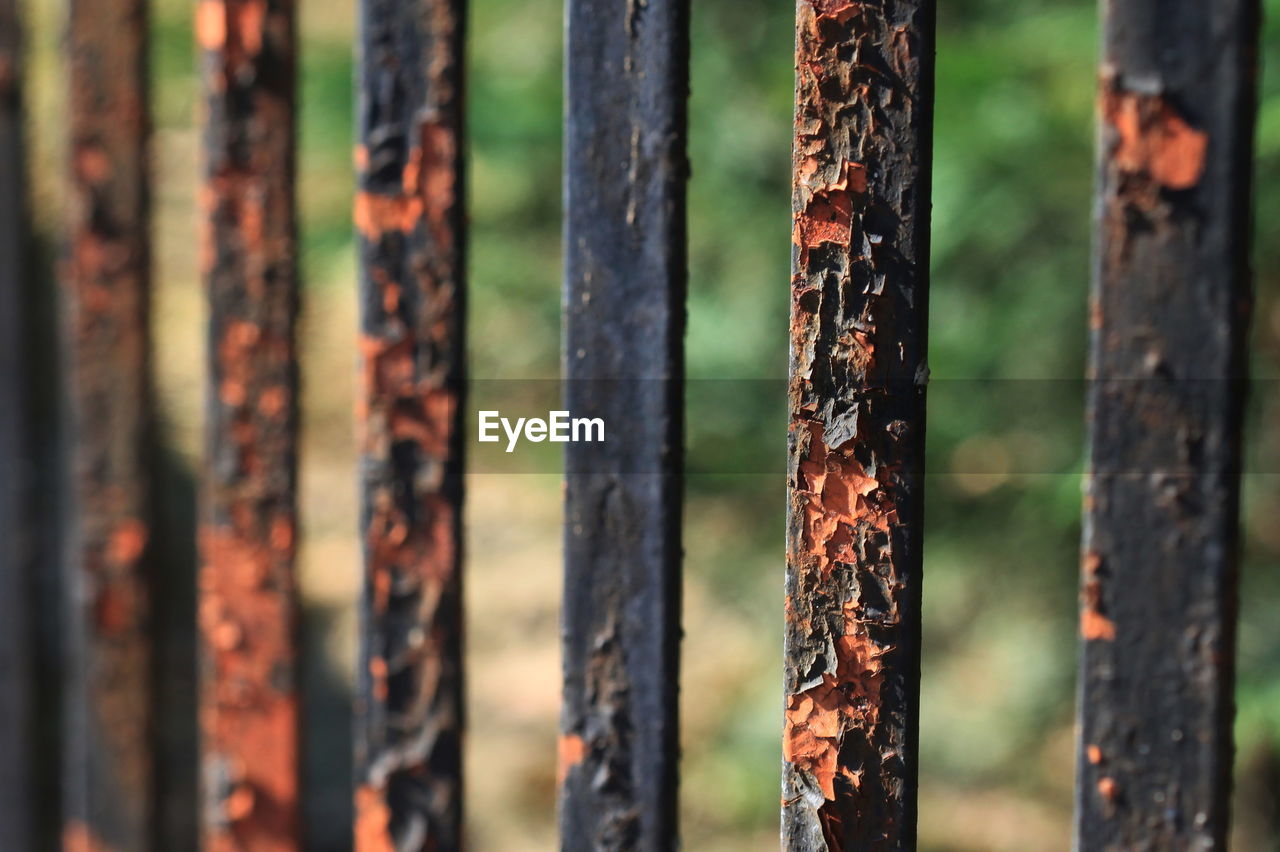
[[410, 221], [16, 685], [625, 279], [858, 370], [247, 597], [108, 761], [1169, 315]]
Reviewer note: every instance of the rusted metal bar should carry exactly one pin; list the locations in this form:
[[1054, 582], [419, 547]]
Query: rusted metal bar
[[625, 281], [1169, 314], [108, 759], [248, 527], [410, 228], [859, 288], [17, 698]]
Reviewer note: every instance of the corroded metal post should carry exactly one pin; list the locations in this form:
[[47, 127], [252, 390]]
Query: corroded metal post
[[108, 761], [410, 228], [858, 322], [625, 175], [1169, 315], [247, 596], [16, 685]]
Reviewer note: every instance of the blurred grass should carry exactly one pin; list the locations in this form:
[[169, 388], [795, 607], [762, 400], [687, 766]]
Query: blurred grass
[[1013, 175]]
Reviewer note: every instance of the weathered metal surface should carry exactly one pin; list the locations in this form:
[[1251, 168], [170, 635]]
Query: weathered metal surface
[[625, 280], [16, 686], [108, 761], [858, 369], [410, 227], [1169, 317], [247, 609]]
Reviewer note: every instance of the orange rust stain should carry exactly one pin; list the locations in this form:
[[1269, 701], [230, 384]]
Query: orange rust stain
[[378, 671], [373, 822], [572, 751], [1093, 624], [1107, 788], [836, 10], [250, 16], [239, 804], [1154, 139], [840, 496], [92, 164], [273, 401], [78, 837], [127, 542], [249, 714], [427, 189], [211, 24], [828, 215], [1094, 754], [376, 215], [817, 719]]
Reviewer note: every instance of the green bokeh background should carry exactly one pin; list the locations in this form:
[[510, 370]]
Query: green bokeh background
[[1011, 233]]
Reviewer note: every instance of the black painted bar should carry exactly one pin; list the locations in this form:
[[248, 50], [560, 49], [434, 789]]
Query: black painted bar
[[1169, 314], [411, 226], [625, 278], [16, 686], [859, 319]]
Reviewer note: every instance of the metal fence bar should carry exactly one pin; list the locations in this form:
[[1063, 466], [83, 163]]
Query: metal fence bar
[[108, 760], [16, 686], [1169, 316], [864, 98], [248, 527], [410, 223], [625, 280]]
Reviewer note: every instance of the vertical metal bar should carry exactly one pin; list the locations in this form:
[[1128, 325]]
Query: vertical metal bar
[[16, 685], [410, 223], [108, 764], [859, 288], [247, 607], [624, 305], [1171, 296]]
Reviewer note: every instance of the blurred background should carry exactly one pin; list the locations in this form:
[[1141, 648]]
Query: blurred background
[[1012, 183]]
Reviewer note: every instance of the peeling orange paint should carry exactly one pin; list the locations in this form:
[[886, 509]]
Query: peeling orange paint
[[78, 837], [127, 542], [211, 24], [1093, 624], [572, 751], [373, 822], [1153, 139]]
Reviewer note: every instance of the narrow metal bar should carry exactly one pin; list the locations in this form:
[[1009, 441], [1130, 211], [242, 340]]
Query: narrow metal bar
[[411, 228], [1169, 316], [247, 609], [17, 699], [624, 304], [108, 761], [859, 288]]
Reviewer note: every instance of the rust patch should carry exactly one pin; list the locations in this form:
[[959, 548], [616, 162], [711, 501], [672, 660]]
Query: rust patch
[[211, 24], [1153, 139], [1093, 754], [373, 822], [1093, 624], [571, 752], [78, 837], [849, 697]]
